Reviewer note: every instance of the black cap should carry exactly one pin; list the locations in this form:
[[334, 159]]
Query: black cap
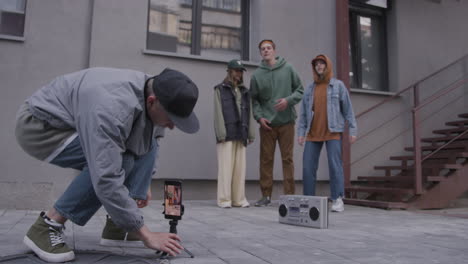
[[178, 95]]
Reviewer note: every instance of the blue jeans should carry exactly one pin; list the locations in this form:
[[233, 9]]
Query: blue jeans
[[335, 167], [79, 202]]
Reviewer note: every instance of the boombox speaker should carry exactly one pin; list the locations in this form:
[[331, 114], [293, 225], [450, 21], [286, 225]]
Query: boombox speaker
[[303, 210]]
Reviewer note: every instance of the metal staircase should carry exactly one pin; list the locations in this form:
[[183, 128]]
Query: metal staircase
[[444, 174], [435, 171]]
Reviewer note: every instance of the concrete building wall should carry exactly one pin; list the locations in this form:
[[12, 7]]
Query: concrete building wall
[[65, 36], [56, 42], [295, 45], [428, 35]]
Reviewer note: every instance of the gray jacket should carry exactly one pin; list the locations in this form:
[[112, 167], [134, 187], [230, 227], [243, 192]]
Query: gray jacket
[[107, 108], [339, 109]]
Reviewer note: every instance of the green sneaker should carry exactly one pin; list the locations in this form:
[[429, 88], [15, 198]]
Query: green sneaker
[[114, 236], [45, 238]]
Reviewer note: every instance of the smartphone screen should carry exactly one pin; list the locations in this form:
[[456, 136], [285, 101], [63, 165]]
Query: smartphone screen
[[172, 199]]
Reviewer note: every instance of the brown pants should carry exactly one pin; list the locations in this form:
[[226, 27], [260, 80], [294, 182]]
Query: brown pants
[[285, 136]]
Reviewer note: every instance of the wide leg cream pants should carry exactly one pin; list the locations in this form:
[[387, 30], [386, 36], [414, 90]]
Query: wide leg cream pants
[[231, 174]]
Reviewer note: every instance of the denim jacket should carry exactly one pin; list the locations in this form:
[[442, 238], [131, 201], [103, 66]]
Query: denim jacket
[[339, 109]]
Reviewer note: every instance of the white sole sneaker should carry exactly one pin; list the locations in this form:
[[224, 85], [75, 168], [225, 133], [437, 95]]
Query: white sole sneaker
[[121, 243], [225, 205], [46, 256], [338, 205], [337, 210]]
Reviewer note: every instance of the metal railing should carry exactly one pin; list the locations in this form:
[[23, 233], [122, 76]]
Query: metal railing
[[416, 108]]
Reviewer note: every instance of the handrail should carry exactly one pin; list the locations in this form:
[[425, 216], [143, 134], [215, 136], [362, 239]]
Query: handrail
[[410, 87], [382, 102], [440, 70], [441, 93], [417, 106], [390, 139], [443, 146], [418, 159], [428, 100]]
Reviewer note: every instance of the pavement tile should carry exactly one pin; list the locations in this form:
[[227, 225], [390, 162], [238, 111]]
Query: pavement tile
[[253, 235]]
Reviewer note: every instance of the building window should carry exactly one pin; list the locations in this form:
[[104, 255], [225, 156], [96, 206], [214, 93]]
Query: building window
[[12, 13], [209, 28], [368, 51]]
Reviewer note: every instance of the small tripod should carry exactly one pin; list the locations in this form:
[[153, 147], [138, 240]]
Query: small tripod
[[173, 230]]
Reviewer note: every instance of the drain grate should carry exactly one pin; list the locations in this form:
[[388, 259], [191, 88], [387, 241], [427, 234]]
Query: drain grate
[[82, 257]]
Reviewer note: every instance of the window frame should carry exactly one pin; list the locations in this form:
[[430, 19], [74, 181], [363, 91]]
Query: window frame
[[357, 9], [15, 37], [197, 10]]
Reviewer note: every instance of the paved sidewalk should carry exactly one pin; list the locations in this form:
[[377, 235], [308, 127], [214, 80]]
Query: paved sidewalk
[[254, 236]]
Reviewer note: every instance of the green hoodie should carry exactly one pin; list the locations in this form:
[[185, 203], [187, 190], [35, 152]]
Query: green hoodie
[[268, 84]]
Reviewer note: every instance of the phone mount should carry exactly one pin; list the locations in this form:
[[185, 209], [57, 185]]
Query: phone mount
[[173, 229]]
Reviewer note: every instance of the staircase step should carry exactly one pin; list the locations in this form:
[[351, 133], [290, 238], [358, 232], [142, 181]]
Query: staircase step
[[461, 154], [458, 123], [435, 156], [379, 190], [385, 178], [442, 166], [402, 157], [376, 204], [457, 130], [425, 166], [464, 115], [403, 179], [435, 178], [391, 168], [451, 146], [445, 139], [411, 157]]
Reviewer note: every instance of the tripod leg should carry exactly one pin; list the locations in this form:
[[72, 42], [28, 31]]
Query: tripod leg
[[188, 252], [162, 254], [172, 229]]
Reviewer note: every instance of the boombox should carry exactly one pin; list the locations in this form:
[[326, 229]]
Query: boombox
[[303, 210]]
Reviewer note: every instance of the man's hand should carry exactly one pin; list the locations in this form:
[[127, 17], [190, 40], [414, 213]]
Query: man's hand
[[281, 104], [166, 242], [352, 139], [144, 203], [264, 123], [301, 141]]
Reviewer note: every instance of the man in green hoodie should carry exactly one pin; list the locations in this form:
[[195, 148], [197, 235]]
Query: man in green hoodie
[[275, 89]]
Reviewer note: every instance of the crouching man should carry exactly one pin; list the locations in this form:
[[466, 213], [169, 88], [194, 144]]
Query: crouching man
[[101, 121]]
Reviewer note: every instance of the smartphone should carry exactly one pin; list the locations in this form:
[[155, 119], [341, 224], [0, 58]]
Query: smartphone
[[173, 200]]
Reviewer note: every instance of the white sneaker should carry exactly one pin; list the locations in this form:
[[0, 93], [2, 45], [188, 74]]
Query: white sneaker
[[338, 205], [224, 205], [245, 205]]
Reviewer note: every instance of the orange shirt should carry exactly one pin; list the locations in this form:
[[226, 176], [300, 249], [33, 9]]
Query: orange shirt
[[319, 128]]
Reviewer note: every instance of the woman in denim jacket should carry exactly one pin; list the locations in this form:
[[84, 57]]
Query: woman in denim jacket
[[325, 107]]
